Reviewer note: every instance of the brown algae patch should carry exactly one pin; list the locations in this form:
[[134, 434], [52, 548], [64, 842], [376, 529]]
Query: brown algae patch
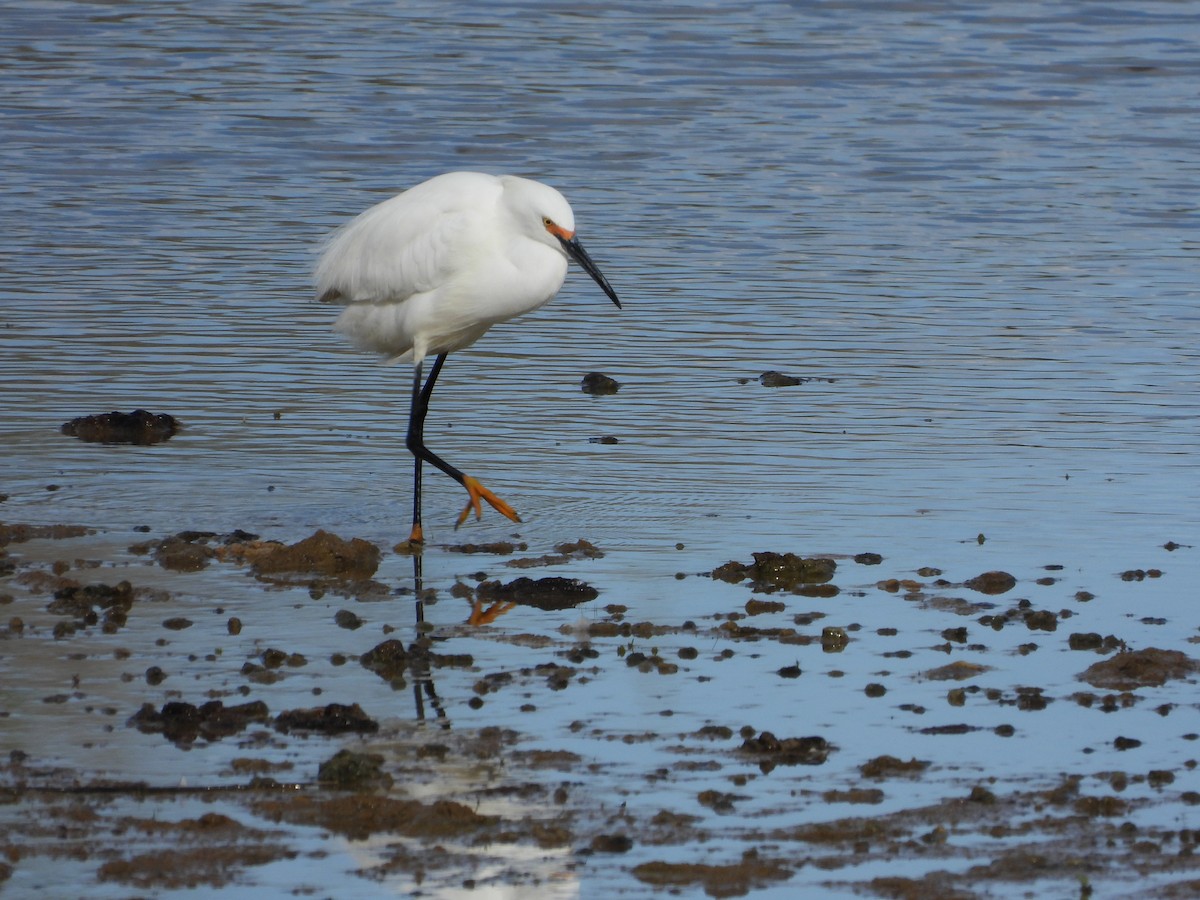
[[730, 880], [359, 815], [1150, 667]]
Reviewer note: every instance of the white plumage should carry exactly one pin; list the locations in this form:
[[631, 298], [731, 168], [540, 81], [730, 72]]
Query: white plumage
[[429, 271]]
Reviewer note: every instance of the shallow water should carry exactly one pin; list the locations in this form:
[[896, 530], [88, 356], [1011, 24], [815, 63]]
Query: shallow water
[[973, 227]]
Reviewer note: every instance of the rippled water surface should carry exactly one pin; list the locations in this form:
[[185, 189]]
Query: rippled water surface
[[971, 228]]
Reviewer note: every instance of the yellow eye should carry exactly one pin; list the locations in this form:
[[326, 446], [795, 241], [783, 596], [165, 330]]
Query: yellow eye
[[546, 222]]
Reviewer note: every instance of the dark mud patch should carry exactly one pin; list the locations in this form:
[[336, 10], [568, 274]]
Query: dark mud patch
[[358, 816], [138, 427], [391, 659], [553, 593], [348, 770], [887, 766], [207, 865], [107, 605], [335, 718], [185, 723], [732, 880], [959, 670], [19, 534], [1139, 668], [563, 553], [498, 548]]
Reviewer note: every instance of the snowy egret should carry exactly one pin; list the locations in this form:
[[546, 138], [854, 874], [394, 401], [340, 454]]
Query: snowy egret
[[432, 269]]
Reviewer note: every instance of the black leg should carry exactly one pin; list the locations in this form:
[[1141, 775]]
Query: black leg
[[416, 420], [417, 536], [416, 445]]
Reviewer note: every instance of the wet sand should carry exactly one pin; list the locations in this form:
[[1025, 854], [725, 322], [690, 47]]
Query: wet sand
[[262, 784]]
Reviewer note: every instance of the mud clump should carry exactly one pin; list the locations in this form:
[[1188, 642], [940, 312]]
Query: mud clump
[[543, 593], [85, 603], [1091, 640], [323, 554], [956, 671], [347, 770], [336, 718], [183, 723], [191, 551], [388, 660], [771, 572], [778, 379], [771, 751], [598, 384], [1139, 668], [889, 767], [138, 427], [991, 583]]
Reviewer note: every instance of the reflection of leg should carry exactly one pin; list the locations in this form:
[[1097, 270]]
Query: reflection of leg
[[419, 651], [481, 616]]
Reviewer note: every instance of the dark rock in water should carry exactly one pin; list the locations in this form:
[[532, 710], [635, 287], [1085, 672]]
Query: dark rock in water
[[778, 379], [138, 427], [597, 384], [388, 660], [336, 718], [86, 602], [183, 723], [544, 593], [991, 583], [1139, 668], [773, 751]]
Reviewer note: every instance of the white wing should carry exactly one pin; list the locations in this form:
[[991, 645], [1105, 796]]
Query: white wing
[[410, 244]]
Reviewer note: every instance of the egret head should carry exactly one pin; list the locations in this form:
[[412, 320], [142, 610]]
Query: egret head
[[549, 219]]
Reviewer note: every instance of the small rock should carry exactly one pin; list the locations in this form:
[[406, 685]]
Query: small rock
[[138, 427], [778, 379], [991, 583], [598, 384]]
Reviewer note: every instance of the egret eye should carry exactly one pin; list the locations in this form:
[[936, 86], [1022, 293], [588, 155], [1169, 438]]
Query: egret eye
[[547, 222]]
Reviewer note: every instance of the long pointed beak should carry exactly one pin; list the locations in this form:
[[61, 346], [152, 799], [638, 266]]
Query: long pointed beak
[[576, 252]]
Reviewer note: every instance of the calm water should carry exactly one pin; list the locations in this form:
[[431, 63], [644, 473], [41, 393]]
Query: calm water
[[974, 226]]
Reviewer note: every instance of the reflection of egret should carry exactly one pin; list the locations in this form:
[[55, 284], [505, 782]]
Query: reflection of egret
[[432, 269]]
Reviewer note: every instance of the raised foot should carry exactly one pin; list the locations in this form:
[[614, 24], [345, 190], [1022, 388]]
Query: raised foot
[[479, 493]]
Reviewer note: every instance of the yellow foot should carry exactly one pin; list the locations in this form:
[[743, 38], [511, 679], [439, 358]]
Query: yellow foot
[[478, 493], [481, 616], [414, 544]]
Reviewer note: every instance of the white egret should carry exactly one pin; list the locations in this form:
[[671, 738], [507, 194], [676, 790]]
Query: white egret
[[430, 270]]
